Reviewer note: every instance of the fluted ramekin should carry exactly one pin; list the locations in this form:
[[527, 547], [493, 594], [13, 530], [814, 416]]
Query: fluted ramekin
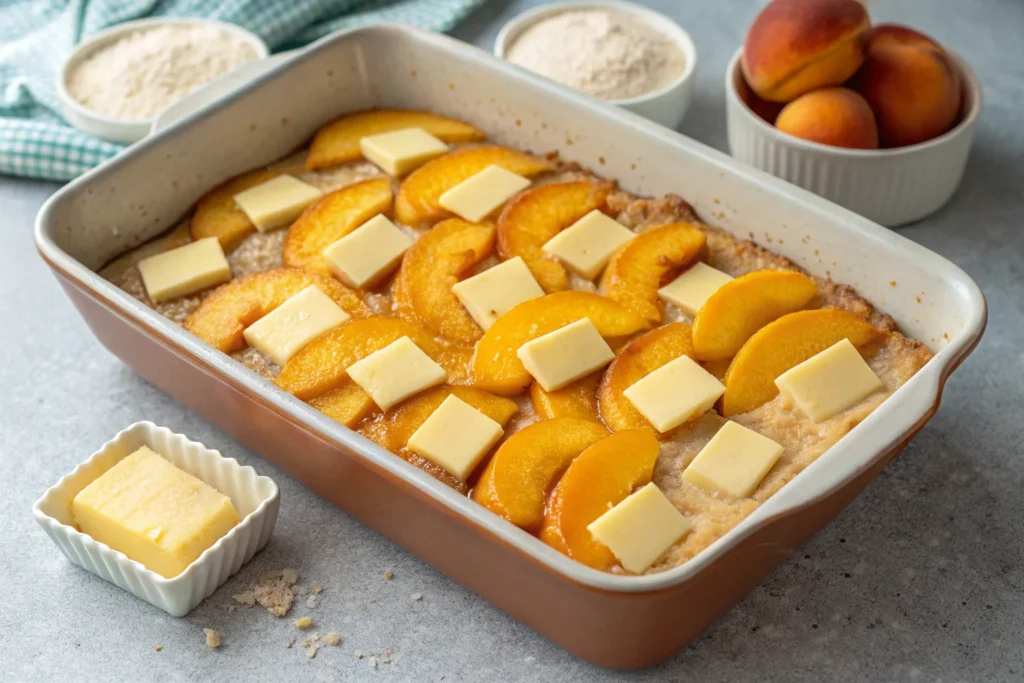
[[889, 186], [256, 498]]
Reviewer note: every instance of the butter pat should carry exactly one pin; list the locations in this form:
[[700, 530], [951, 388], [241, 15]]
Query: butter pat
[[156, 514], [565, 355], [689, 291], [497, 290], [677, 392], [277, 202], [830, 382], [477, 197], [456, 437], [734, 462], [368, 254], [640, 529], [396, 372], [185, 270], [401, 151], [586, 246], [302, 318]]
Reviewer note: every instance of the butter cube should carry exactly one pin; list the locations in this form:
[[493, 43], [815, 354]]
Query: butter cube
[[497, 290], [396, 372], [368, 254], [586, 246], [156, 514], [640, 529], [401, 151], [185, 270], [302, 318], [456, 436], [277, 202], [690, 290], [830, 382], [677, 392], [734, 462], [563, 356], [477, 197]]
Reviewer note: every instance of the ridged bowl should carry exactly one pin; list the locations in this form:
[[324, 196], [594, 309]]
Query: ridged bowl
[[889, 186], [256, 498]]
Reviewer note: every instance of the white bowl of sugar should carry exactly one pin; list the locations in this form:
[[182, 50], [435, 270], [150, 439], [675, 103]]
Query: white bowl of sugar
[[617, 52], [116, 82]]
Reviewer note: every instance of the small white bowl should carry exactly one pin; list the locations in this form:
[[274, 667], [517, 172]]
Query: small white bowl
[[889, 186], [121, 130], [666, 105], [256, 498]]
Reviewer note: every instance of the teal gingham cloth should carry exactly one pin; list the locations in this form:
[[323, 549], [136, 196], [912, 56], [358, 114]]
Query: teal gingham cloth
[[36, 36]]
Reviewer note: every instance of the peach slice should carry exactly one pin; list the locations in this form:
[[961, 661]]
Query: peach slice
[[578, 399], [338, 141], [393, 429], [641, 357], [423, 286], [742, 306], [634, 275], [348, 404], [781, 345], [331, 218], [320, 366], [536, 215], [418, 197], [522, 471], [497, 368], [598, 480], [717, 368], [216, 214], [223, 316]]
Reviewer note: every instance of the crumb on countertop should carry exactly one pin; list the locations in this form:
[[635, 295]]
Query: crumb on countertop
[[212, 638], [274, 591], [159, 648], [245, 598], [388, 575], [417, 596], [331, 638], [316, 588], [303, 622]]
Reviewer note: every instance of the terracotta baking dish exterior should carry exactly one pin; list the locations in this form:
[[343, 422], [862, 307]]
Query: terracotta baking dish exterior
[[613, 621]]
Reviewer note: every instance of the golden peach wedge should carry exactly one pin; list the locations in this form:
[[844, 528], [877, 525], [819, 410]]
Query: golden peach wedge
[[536, 215], [796, 46], [578, 399], [598, 480], [438, 260], [217, 215], [641, 357], [635, 273], [781, 345], [347, 404], [222, 317], [332, 217], [321, 365], [338, 141], [524, 469], [497, 368], [418, 200], [832, 116], [742, 306]]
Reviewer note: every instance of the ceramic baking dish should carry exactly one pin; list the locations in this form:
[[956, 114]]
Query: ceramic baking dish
[[616, 621]]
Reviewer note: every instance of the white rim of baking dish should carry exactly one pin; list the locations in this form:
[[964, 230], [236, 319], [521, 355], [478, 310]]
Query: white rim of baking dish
[[98, 40], [511, 31], [973, 102], [897, 417]]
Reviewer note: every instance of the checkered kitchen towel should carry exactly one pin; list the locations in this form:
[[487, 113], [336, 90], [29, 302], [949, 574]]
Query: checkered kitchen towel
[[37, 35]]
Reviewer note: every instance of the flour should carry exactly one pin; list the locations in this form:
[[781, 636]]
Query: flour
[[143, 72], [605, 54]]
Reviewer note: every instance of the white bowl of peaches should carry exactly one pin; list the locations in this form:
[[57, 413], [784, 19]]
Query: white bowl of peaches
[[878, 119]]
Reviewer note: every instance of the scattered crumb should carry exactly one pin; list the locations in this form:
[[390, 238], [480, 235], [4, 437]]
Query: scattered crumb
[[331, 638], [274, 591], [303, 622], [289, 643], [232, 608], [417, 596], [311, 650], [388, 575], [358, 654], [312, 601], [159, 648], [316, 588], [212, 638], [373, 662], [246, 598]]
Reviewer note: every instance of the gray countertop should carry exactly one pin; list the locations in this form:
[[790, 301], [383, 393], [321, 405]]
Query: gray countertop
[[921, 578]]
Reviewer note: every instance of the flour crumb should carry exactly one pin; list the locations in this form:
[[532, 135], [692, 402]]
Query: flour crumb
[[331, 638], [303, 623], [245, 598], [289, 643], [373, 662], [316, 588], [312, 601], [159, 648], [311, 650], [212, 638], [274, 591], [416, 597], [388, 575]]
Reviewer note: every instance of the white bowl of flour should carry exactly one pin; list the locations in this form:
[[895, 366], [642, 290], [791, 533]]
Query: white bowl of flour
[[617, 52], [116, 82]]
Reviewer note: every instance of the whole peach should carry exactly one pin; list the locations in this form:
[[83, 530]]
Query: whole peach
[[831, 116], [763, 108], [911, 83], [795, 46]]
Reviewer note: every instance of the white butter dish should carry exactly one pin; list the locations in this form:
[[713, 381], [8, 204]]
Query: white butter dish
[[256, 498]]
